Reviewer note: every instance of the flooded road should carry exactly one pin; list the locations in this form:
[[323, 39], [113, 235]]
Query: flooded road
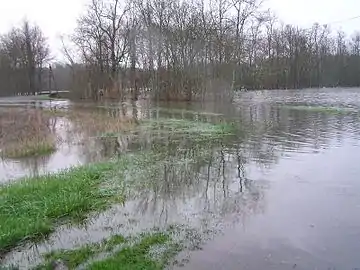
[[284, 193]]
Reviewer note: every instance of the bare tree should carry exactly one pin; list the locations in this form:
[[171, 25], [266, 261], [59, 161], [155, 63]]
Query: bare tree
[[26, 51], [186, 50]]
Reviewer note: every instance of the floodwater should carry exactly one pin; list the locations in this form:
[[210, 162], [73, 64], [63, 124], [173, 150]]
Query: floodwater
[[283, 194]]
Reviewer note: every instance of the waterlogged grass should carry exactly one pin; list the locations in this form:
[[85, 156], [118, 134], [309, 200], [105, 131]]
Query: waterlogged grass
[[137, 256], [182, 126], [321, 109], [151, 250], [31, 208], [109, 135], [29, 147], [25, 133], [178, 129], [185, 111], [155, 249], [74, 258], [94, 123], [47, 98]]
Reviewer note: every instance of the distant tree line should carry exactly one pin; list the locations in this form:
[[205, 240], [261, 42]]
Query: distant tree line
[[180, 50], [23, 54]]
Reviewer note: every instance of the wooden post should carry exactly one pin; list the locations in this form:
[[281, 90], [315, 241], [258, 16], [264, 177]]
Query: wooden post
[[50, 76]]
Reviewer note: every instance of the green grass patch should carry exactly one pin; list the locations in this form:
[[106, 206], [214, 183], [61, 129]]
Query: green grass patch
[[30, 208]]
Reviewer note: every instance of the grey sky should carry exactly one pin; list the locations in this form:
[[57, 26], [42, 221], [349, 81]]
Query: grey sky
[[58, 17]]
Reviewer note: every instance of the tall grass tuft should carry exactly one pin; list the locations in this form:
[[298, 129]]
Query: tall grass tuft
[[25, 133]]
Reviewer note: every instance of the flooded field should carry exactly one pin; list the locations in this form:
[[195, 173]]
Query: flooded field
[[270, 181]]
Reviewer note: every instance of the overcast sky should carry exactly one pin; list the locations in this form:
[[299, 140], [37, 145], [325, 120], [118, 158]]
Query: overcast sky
[[56, 17]]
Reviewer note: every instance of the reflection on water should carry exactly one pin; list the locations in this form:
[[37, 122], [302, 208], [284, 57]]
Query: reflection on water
[[204, 187], [283, 194]]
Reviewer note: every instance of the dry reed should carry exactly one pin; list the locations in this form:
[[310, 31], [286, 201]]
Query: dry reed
[[97, 123], [25, 133]]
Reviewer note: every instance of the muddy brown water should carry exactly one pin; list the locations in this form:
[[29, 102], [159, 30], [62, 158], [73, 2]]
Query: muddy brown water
[[284, 194]]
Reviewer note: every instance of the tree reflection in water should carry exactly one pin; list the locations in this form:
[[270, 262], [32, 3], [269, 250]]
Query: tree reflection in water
[[196, 184]]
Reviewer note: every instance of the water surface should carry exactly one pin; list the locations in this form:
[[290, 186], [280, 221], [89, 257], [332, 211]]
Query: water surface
[[284, 193]]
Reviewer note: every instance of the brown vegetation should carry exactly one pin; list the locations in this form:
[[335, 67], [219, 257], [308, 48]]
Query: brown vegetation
[[180, 50], [25, 133], [99, 123]]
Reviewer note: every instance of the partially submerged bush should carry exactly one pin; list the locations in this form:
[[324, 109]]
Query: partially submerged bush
[[97, 123], [29, 147], [25, 133]]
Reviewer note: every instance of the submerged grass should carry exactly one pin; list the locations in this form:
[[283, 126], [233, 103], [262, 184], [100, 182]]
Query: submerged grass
[[322, 109], [31, 208], [183, 126], [95, 123], [25, 133], [28, 147], [185, 111], [72, 258], [75, 257], [136, 257], [150, 251]]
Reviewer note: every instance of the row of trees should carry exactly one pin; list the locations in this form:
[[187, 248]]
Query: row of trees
[[182, 50], [23, 54]]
